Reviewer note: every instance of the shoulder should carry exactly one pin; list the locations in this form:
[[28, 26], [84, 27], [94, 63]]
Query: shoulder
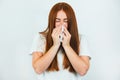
[[39, 36], [39, 39], [38, 43], [82, 37], [83, 40], [84, 45]]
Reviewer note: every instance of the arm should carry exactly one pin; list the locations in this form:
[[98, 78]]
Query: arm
[[79, 63], [41, 62]]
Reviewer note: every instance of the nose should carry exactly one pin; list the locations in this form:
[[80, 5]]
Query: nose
[[62, 23]]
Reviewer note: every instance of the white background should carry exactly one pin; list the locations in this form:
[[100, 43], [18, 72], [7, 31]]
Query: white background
[[20, 20]]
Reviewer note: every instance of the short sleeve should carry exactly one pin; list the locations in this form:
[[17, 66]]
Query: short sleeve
[[38, 44], [84, 47]]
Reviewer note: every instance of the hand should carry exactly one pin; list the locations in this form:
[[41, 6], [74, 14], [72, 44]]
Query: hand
[[55, 36], [66, 38]]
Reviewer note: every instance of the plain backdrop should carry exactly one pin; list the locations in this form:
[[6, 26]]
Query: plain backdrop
[[20, 20]]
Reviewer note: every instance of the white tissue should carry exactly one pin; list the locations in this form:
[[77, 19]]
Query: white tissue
[[61, 37]]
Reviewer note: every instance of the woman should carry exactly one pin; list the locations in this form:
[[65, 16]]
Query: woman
[[57, 59]]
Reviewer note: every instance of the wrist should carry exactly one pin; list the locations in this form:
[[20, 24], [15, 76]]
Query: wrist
[[56, 46], [66, 46]]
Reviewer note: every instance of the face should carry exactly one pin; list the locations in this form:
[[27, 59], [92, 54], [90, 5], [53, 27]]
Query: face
[[61, 19]]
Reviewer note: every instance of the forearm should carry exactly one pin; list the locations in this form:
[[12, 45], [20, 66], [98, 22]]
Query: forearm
[[44, 61], [77, 62]]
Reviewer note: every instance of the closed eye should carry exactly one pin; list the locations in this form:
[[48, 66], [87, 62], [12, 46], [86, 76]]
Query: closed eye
[[66, 20], [57, 20]]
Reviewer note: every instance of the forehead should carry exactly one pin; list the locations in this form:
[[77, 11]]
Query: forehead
[[61, 14]]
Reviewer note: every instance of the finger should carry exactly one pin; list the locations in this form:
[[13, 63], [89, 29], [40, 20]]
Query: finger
[[56, 32], [66, 32], [56, 29]]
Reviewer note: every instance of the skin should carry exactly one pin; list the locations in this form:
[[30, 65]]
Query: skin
[[42, 61]]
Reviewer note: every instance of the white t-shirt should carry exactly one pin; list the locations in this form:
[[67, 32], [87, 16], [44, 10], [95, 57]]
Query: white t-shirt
[[63, 74]]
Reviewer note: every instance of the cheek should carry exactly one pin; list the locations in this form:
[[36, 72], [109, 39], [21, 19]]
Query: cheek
[[66, 25], [57, 24]]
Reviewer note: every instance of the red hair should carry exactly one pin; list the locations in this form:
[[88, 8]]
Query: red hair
[[72, 28]]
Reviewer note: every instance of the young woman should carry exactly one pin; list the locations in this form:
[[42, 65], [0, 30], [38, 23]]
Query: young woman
[[59, 52]]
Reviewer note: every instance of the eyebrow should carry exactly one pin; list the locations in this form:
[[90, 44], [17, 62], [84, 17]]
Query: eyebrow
[[64, 19]]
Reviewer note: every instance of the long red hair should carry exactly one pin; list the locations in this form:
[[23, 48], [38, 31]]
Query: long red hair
[[72, 28]]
